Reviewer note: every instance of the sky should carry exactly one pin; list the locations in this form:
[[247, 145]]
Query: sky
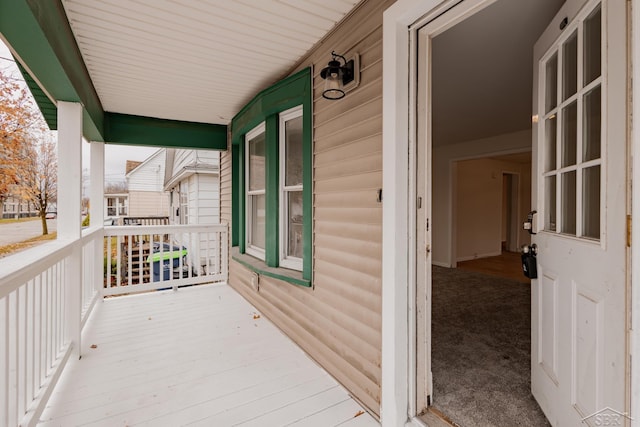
[[116, 156]]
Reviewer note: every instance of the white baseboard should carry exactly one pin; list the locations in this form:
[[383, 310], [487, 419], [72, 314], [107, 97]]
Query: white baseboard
[[441, 264], [487, 255]]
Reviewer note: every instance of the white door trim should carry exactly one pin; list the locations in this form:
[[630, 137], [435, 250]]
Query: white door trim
[[634, 347], [398, 394]]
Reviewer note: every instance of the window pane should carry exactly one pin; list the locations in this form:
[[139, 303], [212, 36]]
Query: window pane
[[569, 134], [293, 152], [550, 135], [592, 125], [550, 203], [551, 78], [591, 202], [256, 163], [294, 206], [258, 221], [570, 66], [568, 198], [592, 48]]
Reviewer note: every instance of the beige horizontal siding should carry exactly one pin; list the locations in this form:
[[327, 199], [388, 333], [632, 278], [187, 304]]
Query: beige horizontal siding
[[225, 187], [338, 322]]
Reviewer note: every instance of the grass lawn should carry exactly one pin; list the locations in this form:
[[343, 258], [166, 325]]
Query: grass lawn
[[16, 247]]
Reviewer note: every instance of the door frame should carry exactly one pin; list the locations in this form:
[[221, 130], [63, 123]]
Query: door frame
[[398, 394]]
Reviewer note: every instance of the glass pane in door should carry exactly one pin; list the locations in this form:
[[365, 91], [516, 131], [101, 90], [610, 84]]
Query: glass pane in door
[[551, 79], [592, 46], [550, 136], [568, 203], [550, 203], [591, 202], [569, 134], [570, 66], [592, 125]]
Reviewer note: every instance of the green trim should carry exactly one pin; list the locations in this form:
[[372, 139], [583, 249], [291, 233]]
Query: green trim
[[239, 224], [235, 191], [291, 92], [285, 94], [47, 108], [272, 182], [307, 185], [139, 130], [40, 35], [283, 274]]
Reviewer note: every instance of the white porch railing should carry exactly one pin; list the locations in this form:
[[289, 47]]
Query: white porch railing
[[144, 258], [48, 293], [37, 321]]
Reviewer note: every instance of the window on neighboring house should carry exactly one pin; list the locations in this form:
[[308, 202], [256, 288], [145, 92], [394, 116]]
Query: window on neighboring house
[[255, 176], [291, 214], [122, 206], [184, 202], [111, 207]]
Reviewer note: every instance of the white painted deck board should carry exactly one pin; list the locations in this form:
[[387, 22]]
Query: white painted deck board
[[194, 357]]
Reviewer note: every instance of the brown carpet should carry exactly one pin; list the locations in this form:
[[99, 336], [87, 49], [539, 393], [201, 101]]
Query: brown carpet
[[481, 350]]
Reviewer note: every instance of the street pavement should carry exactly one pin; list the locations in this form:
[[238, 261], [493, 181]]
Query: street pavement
[[15, 232]]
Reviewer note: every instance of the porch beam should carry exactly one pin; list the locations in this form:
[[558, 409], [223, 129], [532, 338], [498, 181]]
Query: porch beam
[[69, 211], [40, 37], [140, 130]]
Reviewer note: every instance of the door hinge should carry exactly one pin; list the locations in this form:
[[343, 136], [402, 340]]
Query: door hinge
[[427, 224], [628, 231]]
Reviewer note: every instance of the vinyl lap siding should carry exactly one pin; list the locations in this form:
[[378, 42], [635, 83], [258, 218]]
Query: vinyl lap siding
[[338, 322], [225, 187], [208, 199], [148, 176], [148, 203]]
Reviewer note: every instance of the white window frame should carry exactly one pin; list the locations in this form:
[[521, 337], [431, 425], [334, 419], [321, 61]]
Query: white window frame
[[183, 202], [286, 261], [250, 249]]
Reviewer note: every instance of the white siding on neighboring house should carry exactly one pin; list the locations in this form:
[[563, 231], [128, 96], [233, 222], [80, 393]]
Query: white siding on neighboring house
[[148, 203], [147, 197], [192, 178]]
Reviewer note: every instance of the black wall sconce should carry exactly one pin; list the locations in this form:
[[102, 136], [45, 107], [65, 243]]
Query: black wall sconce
[[338, 74]]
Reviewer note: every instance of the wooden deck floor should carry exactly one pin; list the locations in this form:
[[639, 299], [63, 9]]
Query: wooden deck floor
[[200, 356]]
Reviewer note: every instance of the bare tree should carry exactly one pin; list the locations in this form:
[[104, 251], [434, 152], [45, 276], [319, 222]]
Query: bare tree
[[38, 179], [115, 187], [19, 120]]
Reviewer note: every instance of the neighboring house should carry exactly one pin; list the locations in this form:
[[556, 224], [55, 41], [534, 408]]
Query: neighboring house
[[339, 208], [145, 184], [16, 207], [192, 178]]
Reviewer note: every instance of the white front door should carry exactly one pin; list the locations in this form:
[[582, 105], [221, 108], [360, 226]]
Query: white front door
[[578, 354]]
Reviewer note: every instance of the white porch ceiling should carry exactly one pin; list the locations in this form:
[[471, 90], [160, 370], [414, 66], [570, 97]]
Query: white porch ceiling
[[194, 60]]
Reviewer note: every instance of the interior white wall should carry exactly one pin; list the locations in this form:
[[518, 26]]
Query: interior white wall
[[479, 195], [444, 157]]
